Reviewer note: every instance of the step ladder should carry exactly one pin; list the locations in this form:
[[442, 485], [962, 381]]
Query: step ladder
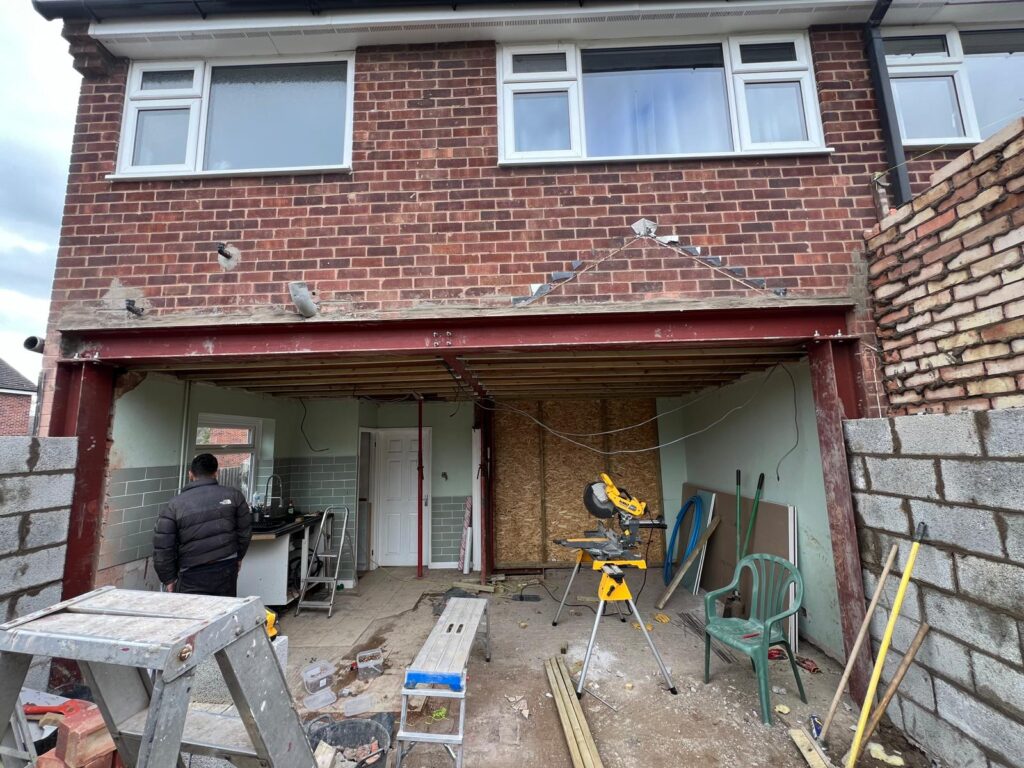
[[138, 652], [328, 557], [442, 664]]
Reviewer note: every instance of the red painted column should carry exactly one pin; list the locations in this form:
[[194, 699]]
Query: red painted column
[[419, 492], [829, 409], [83, 404]]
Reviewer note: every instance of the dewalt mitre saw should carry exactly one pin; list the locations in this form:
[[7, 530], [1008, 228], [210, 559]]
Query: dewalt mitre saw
[[611, 551]]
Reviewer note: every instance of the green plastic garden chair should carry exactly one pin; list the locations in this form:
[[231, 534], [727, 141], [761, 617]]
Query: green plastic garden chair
[[754, 636]]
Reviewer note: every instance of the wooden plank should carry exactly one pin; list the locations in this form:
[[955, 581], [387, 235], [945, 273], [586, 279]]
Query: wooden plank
[[809, 750], [681, 571], [563, 715], [588, 737]]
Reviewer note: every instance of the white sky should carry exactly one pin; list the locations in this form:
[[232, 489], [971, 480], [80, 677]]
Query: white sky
[[39, 93]]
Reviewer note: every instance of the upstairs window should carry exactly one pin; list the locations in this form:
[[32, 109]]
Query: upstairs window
[[746, 94], [184, 118], [955, 87]]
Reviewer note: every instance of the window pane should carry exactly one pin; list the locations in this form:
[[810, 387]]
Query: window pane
[[765, 53], [997, 85], [541, 121], [654, 101], [278, 116], [162, 81], [928, 107], [235, 471], [915, 46], [993, 41], [523, 63], [213, 435], [776, 112], [161, 137]]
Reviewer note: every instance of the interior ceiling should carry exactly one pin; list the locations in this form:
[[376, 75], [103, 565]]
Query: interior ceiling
[[501, 375]]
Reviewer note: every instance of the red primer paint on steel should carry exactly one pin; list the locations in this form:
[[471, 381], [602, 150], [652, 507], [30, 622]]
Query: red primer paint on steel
[[547, 332], [828, 409]]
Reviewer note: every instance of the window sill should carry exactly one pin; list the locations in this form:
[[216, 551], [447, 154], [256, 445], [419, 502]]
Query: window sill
[[941, 143], [301, 171], [749, 153]]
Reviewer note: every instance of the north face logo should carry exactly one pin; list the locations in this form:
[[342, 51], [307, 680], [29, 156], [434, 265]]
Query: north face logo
[[226, 501]]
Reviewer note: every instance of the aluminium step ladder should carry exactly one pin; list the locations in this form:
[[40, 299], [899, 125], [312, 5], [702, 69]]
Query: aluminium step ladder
[[442, 664], [138, 652], [325, 537]]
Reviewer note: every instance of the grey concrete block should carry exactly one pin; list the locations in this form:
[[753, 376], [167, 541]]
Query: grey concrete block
[[985, 725], [868, 436], [10, 534], [961, 527], [1002, 432], [904, 477], [940, 654], [1003, 685], [911, 600], [940, 739], [974, 624], [32, 492], [882, 512], [38, 599], [944, 434], [1014, 527], [858, 475], [933, 566], [37, 454], [47, 528], [24, 572], [989, 483], [999, 584]]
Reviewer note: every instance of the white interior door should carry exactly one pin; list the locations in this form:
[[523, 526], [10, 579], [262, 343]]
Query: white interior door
[[395, 513]]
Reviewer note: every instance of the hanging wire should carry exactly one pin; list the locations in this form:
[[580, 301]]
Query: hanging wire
[[302, 429], [796, 423]]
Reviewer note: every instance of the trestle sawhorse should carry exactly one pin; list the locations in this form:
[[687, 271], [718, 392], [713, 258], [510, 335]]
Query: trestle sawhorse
[[119, 636], [441, 663]]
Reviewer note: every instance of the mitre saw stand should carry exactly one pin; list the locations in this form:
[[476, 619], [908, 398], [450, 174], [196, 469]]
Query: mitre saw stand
[[610, 553]]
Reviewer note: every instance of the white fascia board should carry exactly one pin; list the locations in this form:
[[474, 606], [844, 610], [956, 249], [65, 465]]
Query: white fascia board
[[960, 12], [332, 31]]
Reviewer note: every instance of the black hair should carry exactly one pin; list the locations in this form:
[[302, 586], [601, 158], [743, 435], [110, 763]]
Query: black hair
[[203, 465]]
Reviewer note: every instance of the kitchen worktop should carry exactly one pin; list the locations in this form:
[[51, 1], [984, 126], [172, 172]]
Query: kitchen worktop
[[286, 529]]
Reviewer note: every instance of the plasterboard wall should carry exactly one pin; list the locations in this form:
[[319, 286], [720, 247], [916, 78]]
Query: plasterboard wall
[[753, 439]]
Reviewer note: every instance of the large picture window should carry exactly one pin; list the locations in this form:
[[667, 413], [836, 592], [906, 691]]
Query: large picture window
[[955, 86], [185, 118], [743, 94]]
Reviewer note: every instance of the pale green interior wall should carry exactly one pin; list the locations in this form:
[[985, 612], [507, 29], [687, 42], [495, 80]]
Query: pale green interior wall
[[146, 428], [753, 439], [451, 442], [332, 427]]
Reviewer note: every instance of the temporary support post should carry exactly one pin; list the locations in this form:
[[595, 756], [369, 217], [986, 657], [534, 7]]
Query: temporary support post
[[419, 487], [834, 401], [83, 399]]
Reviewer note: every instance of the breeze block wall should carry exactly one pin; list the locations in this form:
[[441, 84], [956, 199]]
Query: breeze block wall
[[37, 478], [15, 413], [428, 219], [963, 476], [947, 282]]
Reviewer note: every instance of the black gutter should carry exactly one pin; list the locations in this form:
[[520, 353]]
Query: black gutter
[[100, 10], [875, 50]]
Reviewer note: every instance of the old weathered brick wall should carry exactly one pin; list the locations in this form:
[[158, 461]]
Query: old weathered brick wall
[[427, 217], [947, 279], [15, 413], [36, 480], [963, 476]]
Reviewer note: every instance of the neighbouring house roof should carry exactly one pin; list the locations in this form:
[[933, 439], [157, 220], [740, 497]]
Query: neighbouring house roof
[[11, 379]]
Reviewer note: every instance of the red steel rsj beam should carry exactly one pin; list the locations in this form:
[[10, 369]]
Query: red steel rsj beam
[[153, 344]]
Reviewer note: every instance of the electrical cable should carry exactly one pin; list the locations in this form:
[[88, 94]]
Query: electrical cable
[[302, 429], [643, 583], [668, 568], [796, 424], [544, 586]]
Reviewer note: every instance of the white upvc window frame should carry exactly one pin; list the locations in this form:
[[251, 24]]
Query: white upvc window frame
[[736, 76], [197, 99], [937, 65]]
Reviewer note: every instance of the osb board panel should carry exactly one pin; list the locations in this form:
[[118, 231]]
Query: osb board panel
[[567, 470], [771, 536], [517, 486], [640, 473]]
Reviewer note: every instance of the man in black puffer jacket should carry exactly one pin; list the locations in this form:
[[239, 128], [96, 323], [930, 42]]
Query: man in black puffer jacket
[[202, 534]]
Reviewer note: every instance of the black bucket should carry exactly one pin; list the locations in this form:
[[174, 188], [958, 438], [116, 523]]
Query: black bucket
[[350, 734]]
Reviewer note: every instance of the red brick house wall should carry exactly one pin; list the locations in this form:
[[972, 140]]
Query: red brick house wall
[[427, 216], [15, 413]]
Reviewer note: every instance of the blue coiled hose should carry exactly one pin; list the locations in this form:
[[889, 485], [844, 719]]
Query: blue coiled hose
[[698, 515]]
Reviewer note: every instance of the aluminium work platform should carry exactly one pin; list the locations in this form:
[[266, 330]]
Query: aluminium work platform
[[119, 636]]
